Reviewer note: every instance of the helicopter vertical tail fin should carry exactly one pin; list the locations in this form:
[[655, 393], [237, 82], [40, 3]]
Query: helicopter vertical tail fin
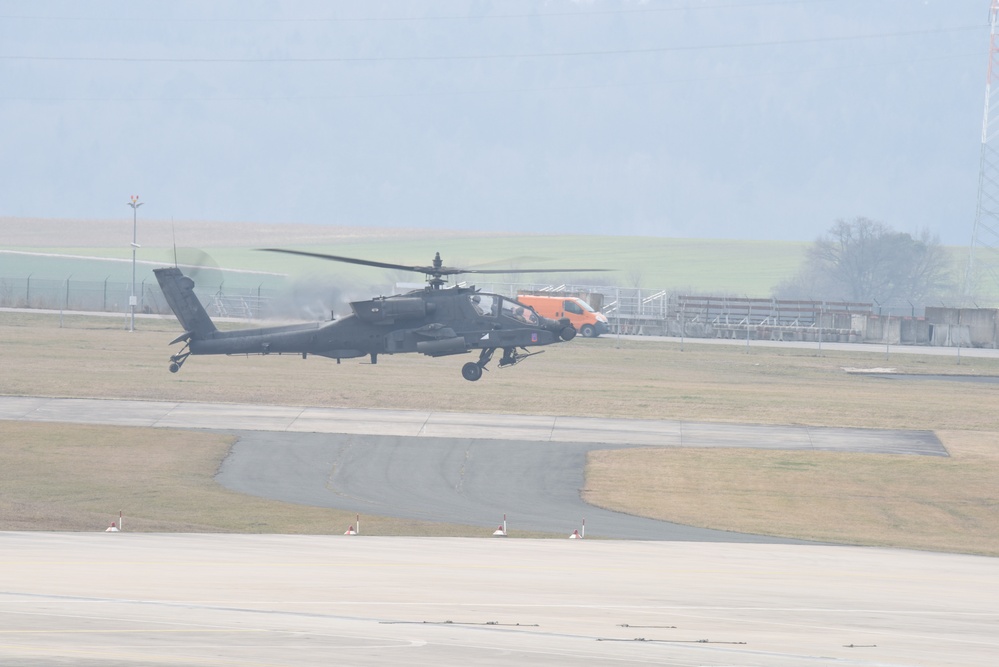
[[178, 290]]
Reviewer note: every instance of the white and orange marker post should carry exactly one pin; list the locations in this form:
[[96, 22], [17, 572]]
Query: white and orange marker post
[[576, 535], [356, 528], [121, 526], [501, 531]]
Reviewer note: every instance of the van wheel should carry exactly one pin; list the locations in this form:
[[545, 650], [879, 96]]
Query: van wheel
[[588, 331]]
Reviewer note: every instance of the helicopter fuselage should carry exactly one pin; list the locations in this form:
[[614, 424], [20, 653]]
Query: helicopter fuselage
[[388, 325], [434, 322]]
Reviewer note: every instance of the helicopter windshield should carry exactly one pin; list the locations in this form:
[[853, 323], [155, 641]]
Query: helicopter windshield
[[519, 312], [492, 305], [485, 304]]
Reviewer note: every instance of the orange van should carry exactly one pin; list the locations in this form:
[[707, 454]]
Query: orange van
[[588, 322]]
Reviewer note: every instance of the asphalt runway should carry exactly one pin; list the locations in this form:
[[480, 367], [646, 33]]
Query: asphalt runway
[[460, 468], [451, 480], [115, 599]]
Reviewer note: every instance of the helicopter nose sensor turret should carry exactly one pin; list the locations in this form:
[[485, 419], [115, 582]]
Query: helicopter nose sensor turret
[[561, 327]]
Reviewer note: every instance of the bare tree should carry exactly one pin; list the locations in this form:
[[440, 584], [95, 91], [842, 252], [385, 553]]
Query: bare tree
[[866, 260]]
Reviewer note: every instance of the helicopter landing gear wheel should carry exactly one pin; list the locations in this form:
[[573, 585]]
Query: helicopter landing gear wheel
[[177, 360], [471, 371]]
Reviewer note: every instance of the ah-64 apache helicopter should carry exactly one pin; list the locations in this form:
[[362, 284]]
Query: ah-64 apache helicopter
[[434, 321]]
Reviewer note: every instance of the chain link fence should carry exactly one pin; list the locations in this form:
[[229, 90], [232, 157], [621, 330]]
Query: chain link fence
[[113, 297], [628, 310]]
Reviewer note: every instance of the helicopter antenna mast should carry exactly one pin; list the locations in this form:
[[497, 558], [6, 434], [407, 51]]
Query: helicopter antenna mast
[[983, 257]]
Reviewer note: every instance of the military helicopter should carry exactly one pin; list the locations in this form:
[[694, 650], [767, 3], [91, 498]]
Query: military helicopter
[[436, 321]]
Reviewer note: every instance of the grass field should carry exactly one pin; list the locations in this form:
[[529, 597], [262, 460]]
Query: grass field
[[74, 477], [95, 251], [877, 500], [650, 263], [946, 504]]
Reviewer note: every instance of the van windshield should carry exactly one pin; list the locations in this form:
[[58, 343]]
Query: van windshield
[[585, 306]]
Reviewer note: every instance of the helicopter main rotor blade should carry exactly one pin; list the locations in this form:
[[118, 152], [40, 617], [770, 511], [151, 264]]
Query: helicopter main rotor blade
[[352, 260], [436, 271], [500, 271]]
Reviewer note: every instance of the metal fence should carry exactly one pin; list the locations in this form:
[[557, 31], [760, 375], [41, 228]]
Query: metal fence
[[671, 313], [628, 310], [113, 297]]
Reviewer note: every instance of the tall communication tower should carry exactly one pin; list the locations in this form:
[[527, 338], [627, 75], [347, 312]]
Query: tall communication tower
[[983, 259]]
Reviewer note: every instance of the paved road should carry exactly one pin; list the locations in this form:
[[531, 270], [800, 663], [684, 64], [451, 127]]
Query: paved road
[[451, 480], [433, 425], [149, 600], [449, 467], [881, 349]]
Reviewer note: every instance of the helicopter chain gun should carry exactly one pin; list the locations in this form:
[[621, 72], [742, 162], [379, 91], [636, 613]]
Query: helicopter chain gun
[[437, 321]]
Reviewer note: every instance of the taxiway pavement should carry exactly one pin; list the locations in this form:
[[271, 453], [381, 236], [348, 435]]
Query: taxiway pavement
[[457, 468], [115, 599], [421, 424]]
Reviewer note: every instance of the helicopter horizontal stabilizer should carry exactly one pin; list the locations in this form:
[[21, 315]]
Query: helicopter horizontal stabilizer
[[178, 290]]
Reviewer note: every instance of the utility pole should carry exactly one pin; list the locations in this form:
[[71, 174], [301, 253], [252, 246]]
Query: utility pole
[[132, 300], [984, 252]]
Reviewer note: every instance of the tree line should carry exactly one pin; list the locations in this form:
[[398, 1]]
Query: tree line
[[864, 260]]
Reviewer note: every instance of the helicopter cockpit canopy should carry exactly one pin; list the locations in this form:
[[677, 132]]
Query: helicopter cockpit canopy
[[493, 305]]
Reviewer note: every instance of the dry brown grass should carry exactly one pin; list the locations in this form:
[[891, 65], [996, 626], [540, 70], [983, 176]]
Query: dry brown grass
[[77, 477], [852, 497], [901, 501], [96, 357]]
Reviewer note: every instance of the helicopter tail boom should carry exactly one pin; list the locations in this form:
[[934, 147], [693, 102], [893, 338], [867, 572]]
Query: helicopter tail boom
[[178, 290]]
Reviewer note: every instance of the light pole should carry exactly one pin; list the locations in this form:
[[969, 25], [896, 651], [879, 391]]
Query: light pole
[[132, 301]]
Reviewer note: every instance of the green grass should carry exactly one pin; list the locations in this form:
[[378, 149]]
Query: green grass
[[726, 267], [721, 267], [733, 267]]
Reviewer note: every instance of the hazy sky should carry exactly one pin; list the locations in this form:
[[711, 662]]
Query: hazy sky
[[750, 119]]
